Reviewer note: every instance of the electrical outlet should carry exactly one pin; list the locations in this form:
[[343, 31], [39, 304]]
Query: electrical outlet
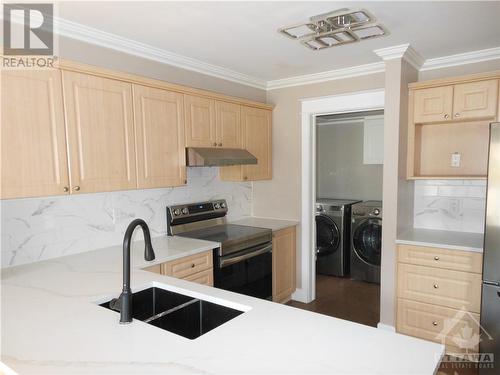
[[455, 160]]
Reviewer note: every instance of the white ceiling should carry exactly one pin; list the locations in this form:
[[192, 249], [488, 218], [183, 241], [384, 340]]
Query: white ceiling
[[242, 36]]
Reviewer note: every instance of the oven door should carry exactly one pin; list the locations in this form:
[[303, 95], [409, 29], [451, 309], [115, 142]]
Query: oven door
[[247, 272]]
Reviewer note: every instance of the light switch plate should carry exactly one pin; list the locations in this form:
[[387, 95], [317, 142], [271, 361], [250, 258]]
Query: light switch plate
[[455, 160]]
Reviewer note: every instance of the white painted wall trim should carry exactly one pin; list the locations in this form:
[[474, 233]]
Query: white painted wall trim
[[310, 108], [386, 327], [101, 38]]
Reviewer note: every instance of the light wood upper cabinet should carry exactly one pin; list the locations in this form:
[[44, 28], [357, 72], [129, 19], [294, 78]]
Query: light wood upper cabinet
[[200, 121], [160, 142], [284, 268], [228, 125], [256, 125], [34, 161], [257, 139], [100, 127], [448, 126], [433, 105], [475, 100]]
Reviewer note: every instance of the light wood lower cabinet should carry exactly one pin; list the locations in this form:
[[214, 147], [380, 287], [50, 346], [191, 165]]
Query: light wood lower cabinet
[[439, 286], [100, 126], [284, 264], [33, 141], [159, 127], [439, 324], [197, 268], [439, 296]]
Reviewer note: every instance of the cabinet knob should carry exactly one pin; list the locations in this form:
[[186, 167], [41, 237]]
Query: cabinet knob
[[185, 181], [245, 178], [220, 144], [436, 258], [434, 323], [436, 286], [76, 188], [457, 114], [65, 189], [446, 116], [192, 265], [215, 144]]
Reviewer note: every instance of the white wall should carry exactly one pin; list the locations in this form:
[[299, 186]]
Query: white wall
[[340, 172], [41, 228]]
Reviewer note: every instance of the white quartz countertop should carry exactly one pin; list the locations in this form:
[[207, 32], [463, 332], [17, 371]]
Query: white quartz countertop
[[262, 222], [443, 239], [52, 324]]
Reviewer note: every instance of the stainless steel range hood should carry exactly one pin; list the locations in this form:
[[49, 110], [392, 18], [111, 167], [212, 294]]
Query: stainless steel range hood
[[213, 157]]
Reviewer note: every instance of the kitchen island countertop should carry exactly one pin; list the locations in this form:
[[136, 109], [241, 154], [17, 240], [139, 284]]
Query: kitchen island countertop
[[52, 324]]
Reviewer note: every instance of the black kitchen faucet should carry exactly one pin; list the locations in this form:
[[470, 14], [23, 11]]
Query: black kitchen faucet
[[124, 302]]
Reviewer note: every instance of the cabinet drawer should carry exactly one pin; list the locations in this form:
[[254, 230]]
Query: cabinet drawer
[[459, 290], [204, 277], [455, 328], [442, 258], [184, 267]]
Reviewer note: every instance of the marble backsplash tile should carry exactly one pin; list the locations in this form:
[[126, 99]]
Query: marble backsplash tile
[[454, 205], [41, 228]]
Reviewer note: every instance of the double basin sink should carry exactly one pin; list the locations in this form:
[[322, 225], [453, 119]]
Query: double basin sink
[[177, 313]]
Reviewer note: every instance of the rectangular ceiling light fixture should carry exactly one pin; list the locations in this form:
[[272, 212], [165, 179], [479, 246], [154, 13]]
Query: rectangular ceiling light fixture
[[335, 28]]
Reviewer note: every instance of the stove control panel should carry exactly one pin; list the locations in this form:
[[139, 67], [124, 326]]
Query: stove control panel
[[186, 210]]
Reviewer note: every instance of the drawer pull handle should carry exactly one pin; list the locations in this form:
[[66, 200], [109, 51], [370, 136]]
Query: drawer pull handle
[[434, 323], [192, 265], [436, 258], [436, 286]]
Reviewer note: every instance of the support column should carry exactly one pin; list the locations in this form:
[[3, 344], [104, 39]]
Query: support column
[[401, 67]]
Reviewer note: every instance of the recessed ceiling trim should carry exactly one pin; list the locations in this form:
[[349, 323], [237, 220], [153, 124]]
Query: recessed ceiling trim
[[104, 39], [307, 79], [462, 59], [402, 51], [101, 38]]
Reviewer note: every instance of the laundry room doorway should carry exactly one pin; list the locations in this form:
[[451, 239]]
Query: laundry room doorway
[[342, 144]]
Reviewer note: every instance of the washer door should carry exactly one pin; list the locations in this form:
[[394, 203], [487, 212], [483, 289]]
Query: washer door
[[367, 240], [327, 235]]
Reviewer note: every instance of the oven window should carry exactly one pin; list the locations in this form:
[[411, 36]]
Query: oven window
[[252, 277]]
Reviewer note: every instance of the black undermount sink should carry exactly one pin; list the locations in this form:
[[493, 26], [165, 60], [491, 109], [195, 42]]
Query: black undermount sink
[[177, 313]]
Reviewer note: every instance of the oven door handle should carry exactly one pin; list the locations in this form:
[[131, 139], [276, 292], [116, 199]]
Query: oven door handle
[[262, 250]]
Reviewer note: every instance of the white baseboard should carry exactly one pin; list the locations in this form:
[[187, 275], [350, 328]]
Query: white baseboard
[[300, 295], [386, 327]]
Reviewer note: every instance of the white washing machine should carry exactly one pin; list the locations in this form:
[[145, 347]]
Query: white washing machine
[[366, 241], [332, 236]]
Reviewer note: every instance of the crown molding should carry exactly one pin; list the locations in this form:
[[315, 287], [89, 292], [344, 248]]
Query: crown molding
[[101, 38], [94, 36], [462, 59], [402, 51], [307, 79]]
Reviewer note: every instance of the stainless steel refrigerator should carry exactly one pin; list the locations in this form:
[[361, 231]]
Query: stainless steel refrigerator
[[490, 305]]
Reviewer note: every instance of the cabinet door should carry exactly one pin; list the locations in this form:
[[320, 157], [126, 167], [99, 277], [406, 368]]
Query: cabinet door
[[433, 105], [257, 139], [33, 142], [475, 100], [200, 121], [159, 121], [228, 130], [100, 128], [283, 264]]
